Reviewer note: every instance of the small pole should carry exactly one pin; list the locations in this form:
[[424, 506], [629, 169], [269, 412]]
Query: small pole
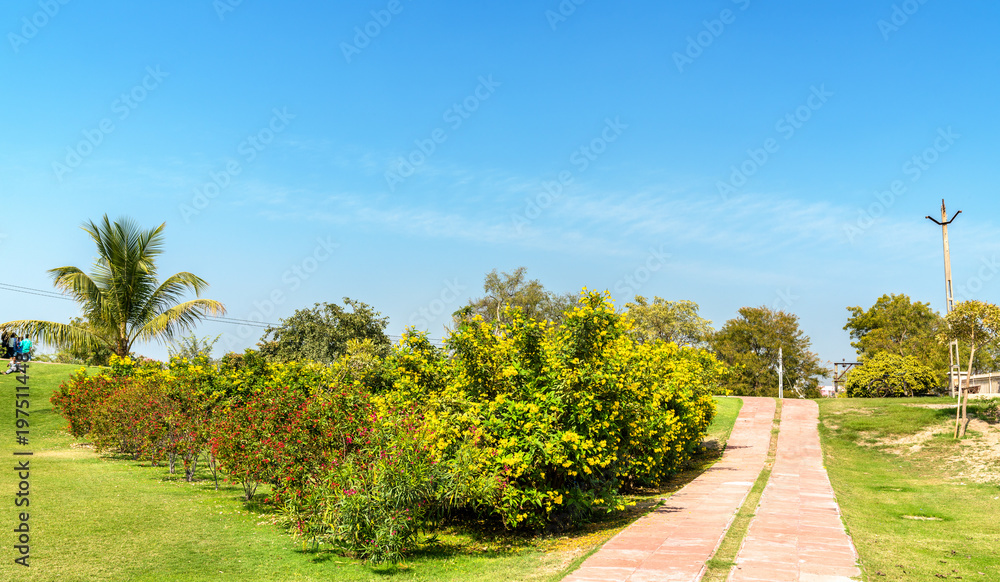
[[781, 370]]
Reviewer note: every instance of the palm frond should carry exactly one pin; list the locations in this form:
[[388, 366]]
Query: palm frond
[[178, 318], [77, 284], [169, 293], [57, 334]]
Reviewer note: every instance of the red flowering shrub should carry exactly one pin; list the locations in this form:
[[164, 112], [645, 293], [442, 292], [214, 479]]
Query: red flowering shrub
[[376, 499], [342, 471], [78, 398], [286, 437], [129, 420], [141, 411]]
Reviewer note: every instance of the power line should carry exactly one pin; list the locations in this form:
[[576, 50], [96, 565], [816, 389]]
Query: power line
[[30, 291], [219, 318], [236, 321], [54, 295]]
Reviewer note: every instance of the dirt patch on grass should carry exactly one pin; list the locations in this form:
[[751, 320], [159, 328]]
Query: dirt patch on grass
[[711, 445], [975, 459], [852, 411], [913, 443], [979, 461], [555, 562], [934, 406]]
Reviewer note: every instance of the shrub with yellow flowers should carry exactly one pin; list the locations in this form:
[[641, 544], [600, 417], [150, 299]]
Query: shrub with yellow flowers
[[563, 418]]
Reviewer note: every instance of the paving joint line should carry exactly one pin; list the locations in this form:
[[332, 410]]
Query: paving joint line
[[675, 541], [798, 532], [743, 514]]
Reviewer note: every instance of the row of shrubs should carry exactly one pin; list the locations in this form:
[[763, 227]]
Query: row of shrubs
[[534, 425]]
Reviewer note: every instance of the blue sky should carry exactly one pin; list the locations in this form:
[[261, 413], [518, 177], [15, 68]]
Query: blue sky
[[732, 153]]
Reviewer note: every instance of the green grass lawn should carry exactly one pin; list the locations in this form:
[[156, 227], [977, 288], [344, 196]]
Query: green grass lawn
[[894, 465], [727, 409], [97, 518]]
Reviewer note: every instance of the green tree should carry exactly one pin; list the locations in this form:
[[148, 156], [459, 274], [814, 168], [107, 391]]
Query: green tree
[[886, 374], [750, 343], [322, 333], [122, 300], [896, 325], [670, 321], [192, 346], [975, 324], [513, 289]]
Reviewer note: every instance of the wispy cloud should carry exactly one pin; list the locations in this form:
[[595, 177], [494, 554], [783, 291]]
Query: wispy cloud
[[464, 205], [450, 202]]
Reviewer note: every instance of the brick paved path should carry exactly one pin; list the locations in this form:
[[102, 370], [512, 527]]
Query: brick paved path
[[673, 542], [797, 534]]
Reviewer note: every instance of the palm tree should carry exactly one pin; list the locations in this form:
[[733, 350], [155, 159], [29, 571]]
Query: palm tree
[[121, 299]]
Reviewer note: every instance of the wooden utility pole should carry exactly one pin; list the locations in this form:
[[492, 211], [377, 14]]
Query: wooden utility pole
[[954, 375]]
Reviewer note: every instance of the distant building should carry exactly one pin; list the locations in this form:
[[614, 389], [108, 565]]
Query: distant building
[[827, 391], [988, 384]]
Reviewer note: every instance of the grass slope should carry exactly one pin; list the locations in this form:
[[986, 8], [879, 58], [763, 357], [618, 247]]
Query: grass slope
[[726, 411], [892, 464], [93, 518]]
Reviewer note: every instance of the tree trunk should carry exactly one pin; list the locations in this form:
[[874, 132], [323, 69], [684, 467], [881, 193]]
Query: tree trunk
[[212, 466], [959, 411], [965, 417], [190, 467]]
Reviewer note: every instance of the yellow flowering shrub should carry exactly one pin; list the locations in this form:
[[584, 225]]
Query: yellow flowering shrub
[[562, 419]]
